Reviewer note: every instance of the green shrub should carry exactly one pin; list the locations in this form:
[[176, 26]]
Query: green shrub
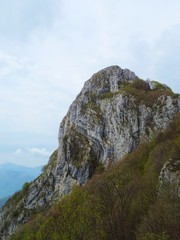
[[52, 162], [107, 95], [152, 236], [157, 85], [140, 85]]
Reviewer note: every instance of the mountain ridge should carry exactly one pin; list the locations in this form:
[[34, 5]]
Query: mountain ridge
[[114, 112]]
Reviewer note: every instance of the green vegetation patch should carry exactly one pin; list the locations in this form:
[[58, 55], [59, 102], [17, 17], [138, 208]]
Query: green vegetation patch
[[157, 85], [143, 94], [91, 105], [107, 95], [77, 148], [96, 114], [16, 197], [52, 162]]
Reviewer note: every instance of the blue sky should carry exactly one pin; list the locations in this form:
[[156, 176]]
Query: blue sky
[[48, 49]]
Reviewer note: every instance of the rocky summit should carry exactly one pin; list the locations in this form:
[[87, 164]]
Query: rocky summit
[[114, 112]]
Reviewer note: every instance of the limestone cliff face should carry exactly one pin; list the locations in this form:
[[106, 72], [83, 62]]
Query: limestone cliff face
[[106, 121]]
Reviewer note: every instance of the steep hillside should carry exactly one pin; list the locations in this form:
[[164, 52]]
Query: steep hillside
[[114, 113], [133, 199]]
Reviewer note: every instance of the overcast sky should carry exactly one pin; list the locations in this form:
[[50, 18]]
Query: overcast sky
[[48, 49]]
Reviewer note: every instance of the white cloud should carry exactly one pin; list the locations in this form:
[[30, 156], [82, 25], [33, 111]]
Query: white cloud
[[40, 152], [158, 60], [27, 156], [9, 64], [18, 152]]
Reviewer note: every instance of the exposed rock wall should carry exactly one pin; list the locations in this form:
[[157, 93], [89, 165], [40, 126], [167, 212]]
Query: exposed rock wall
[[102, 124]]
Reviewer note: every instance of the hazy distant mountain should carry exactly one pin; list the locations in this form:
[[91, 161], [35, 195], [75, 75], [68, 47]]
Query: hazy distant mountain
[[13, 176]]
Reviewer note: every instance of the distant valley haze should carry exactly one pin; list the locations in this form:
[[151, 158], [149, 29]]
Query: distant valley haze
[[12, 177]]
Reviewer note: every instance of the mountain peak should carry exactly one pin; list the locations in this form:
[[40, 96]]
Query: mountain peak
[[108, 80], [114, 112], [118, 72]]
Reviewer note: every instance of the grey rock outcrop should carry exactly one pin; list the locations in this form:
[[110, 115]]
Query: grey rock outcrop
[[170, 174], [102, 124]]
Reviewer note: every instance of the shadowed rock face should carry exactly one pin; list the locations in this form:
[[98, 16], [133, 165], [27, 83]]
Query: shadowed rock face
[[102, 124]]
